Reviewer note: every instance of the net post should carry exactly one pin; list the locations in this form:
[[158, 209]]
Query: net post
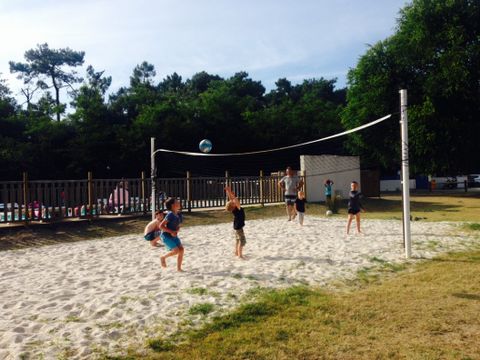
[[405, 174], [189, 191], [152, 175], [144, 208], [25, 195], [90, 195], [262, 202]]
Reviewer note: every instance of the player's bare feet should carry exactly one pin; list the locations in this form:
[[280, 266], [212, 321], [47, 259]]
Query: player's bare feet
[[163, 262], [180, 270]]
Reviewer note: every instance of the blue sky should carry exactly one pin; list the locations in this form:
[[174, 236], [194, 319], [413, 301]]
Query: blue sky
[[269, 39]]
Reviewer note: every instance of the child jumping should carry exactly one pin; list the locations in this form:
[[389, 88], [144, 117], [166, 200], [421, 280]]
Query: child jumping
[[152, 229], [354, 207], [170, 227], [300, 206], [233, 206]]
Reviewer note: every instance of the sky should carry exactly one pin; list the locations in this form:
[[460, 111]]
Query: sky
[[269, 39]]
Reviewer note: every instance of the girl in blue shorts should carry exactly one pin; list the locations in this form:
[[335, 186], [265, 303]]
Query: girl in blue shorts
[[170, 227]]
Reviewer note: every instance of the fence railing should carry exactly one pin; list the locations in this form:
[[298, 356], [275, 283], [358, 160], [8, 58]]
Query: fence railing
[[55, 200]]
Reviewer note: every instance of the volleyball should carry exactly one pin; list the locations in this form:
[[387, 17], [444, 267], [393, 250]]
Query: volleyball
[[329, 213], [205, 146]]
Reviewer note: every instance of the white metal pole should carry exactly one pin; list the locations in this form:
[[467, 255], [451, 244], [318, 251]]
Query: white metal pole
[[152, 175], [405, 174]]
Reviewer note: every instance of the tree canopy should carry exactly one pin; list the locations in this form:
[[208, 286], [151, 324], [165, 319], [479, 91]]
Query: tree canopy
[[47, 67], [435, 55]]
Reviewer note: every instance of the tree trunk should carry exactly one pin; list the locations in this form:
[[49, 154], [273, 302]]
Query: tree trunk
[[57, 97], [57, 101]]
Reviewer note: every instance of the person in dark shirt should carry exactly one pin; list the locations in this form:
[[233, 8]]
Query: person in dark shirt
[[233, 206], [354, 206], [300, 206]]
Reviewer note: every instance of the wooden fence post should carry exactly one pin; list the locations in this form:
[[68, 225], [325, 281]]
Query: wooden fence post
[[144, 205], [25, 195], [262, 202], [189, 192], [304, 175], [227, 183], [89, 211]]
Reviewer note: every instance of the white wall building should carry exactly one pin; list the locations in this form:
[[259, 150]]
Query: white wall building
[[342, 170]]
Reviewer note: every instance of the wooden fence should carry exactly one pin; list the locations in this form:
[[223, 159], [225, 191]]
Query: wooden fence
[[55, 200]]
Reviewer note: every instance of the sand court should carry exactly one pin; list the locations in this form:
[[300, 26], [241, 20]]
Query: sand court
[[79, 299]]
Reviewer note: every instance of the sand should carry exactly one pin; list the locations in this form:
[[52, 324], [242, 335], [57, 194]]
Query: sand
[[78, 300]]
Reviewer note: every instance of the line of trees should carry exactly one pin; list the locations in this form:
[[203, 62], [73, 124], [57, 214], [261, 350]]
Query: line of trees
[[434, 53]]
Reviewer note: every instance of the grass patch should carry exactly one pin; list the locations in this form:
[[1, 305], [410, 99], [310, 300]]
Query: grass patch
[[268, 303], [197, 291], [73, 318], [472, 226], [201, 309], [112, 325], [159, 345], [367, 275]]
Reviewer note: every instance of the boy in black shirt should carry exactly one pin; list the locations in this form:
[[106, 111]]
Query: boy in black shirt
[[354, 207], [233, 205]]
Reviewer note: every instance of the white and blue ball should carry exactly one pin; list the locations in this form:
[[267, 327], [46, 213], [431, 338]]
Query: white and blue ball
[[205, 146]]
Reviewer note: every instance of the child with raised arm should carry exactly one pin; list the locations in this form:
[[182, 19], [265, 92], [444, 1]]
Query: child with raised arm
[[233, 206], [354, 207], [300, 206], [153, 228], [170, 227]]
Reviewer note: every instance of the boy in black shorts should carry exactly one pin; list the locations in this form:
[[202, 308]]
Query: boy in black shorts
[[233, 206], [354, 207]]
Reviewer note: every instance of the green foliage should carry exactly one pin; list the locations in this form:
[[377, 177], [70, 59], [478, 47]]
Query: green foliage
[[434, 54], [473, 226], [46, 66], [110, 136]]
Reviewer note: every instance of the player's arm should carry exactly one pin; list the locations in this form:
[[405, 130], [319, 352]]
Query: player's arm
[[360, 195], [281, 183], [164, 228], [300, 184], [148, 228], [232, 197]]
